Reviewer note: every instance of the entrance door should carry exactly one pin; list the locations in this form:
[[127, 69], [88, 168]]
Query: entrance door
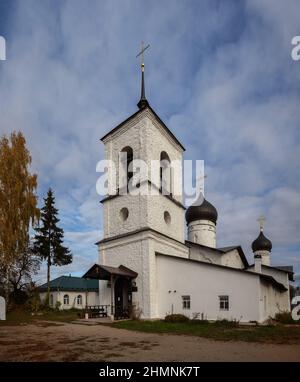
[[122, 298]]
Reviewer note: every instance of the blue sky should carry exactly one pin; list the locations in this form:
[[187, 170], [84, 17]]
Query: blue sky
[[219, 73]]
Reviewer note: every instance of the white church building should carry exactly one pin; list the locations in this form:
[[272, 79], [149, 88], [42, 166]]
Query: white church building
[[147, 263]]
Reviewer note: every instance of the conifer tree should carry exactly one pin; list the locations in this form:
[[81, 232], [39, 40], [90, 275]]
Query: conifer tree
[[48, 241]]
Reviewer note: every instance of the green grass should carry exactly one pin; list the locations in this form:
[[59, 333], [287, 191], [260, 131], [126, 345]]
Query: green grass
[[218, 331], [21, 317]]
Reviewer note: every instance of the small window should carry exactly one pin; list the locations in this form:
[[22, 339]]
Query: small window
[[79, 299], [186, 302], [66, 299], [51, 300], [224, 302], [124, 213], [167, 217]]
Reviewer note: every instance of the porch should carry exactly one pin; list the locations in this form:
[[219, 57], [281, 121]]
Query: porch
[[121, 284]]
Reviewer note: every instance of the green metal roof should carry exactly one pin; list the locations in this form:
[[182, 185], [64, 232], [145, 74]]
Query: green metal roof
[[70, 283]]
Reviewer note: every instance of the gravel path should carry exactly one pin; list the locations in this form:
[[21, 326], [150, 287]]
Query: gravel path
[[75, 342]]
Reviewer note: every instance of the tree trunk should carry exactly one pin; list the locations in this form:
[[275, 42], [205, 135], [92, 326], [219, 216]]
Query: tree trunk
[[48, 280], [48, 271]]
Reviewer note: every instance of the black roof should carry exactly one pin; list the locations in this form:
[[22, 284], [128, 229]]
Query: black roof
[[104, 272], [203, 211], [261, 243]]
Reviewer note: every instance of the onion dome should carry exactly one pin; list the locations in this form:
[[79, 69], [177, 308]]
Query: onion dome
[[201, 210], [261, 243]]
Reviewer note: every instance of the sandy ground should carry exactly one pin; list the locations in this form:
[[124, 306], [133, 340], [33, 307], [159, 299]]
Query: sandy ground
[[75, 342]]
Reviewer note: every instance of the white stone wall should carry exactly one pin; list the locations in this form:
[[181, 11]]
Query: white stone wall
[[133, 253], [137, 252], [2, 308], [147, 139], [229, 259], [281, 277], [144, 211], [202, 232], [232, 259], [88, 298], [265, 257], [137, 218], [272, 301], [205, 254], [205, 283]]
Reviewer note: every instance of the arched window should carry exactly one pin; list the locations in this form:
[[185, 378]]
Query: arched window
[[66, 299], [79, 299], [51, 300], [126, 157], [165, 173]]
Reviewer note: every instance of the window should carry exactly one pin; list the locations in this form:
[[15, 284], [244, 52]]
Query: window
[[66, 299], [165, 173], [167, 217], [126, 158], [124, 213], [186, 302], [51, 300], [79, 299], [224, 302]]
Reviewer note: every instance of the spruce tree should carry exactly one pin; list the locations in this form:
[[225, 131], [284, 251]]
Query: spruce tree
[[48, 241]]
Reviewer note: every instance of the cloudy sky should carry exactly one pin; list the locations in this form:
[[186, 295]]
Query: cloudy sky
[[219, 73]]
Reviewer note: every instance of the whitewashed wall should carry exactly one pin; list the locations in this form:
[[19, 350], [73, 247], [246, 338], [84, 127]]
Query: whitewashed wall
[[2, 308], [232, 259], [272, 301], [89, 298], [137, 252], [202, 232], [147, 139], [229, 259], [275, 301], [204, 283], [205, 254]]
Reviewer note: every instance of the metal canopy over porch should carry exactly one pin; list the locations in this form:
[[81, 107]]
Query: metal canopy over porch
[[120, 279], [105, 272]]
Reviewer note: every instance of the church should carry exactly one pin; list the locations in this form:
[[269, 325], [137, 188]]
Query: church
[[158, 257]]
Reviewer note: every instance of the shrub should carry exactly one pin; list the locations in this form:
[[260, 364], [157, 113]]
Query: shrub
[[176, 318], [34, 303], [199, 322], [284, 318], [227, 323]]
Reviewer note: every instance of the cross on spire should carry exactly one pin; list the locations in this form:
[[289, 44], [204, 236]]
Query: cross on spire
[[143, 101], [201, 180], [261, 221]]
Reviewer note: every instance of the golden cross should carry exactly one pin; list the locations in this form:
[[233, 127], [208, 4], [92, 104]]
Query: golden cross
[[141, 53], [261, 221]]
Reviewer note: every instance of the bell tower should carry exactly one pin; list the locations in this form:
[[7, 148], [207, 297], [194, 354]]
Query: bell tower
[[144, 136], [150, 220]]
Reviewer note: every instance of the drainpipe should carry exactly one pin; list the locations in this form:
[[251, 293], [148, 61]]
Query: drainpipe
[[111, 296]]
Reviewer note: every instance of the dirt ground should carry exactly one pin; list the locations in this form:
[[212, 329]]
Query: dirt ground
[[47, 341]]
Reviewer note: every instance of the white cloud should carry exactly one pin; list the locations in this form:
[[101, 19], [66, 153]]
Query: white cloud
[[220, 74]]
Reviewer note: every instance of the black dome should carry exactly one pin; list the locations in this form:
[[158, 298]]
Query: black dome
[[261, 243], [201, 211]]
